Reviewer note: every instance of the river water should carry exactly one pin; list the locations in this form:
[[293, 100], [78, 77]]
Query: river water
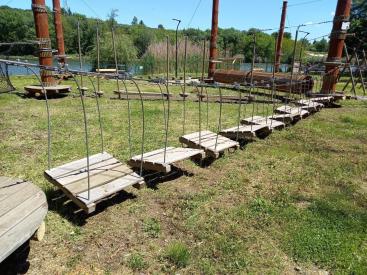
[[87, 66]]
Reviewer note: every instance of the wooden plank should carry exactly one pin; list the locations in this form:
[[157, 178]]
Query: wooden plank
[[21, 232], [121, 172], [77, 165], [12, 200], [9, 186], [155, 161], [292, 110], [247, 132], [104, 191], [307, 102], [285, 118], [93, 170], [213, 144], [107, 176], [158, 167], [258, 120], [5, 181], [21, 211]]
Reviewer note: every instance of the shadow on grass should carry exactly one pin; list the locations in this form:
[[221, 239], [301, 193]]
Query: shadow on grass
[[24, 95], [61, 204], [153, 179], [17, 262]]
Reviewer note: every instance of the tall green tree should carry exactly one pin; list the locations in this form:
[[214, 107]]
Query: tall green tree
[[358, 25]]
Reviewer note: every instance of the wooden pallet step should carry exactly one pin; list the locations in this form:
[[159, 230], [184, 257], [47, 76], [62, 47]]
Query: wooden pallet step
[[161, 160], [296, 111], [213, 144], [323, 100], [107, 176], [259, 120], [246, 132], [285, 118], [308, 102]]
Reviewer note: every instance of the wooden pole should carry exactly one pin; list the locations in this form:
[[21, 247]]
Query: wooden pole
[[213, 39], [281, 36], [59, 32], [336, 47], [43, 36]]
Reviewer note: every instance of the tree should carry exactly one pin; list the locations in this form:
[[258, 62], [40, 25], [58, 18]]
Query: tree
[[142, 38], [160, 27], [358, 25], [112, 18], [321, 46], [135, 21], [141, 23], [126, 52]]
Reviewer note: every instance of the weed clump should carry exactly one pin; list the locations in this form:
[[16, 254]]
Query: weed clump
[[178, 254]]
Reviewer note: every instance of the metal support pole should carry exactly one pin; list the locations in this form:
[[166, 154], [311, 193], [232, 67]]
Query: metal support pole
[[59, 32], [43, 36], [213, 39], [80, 59], [336, 45], [281, 36], [98, 58], [176, 65]]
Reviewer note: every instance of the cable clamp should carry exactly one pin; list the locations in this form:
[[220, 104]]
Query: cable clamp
[[39, 8]]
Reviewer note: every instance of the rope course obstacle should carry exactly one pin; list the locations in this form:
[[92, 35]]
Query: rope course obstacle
[[91, 179], [213, 144], [161, 160], [5, 83]]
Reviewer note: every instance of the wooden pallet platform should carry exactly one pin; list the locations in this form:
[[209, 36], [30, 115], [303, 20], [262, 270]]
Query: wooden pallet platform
[[107, 177], [213, 145], [246, 132], [38, 91], [23, 207], [287, 119], [155, 161], [296, 111], [309, 105], [259, 120], [324, 99], [145, 95]]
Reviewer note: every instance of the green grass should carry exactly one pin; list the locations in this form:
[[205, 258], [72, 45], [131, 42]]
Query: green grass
[[136, 262], [152, 227], [177, 254], [296, 199]]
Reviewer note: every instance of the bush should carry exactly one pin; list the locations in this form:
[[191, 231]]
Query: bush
[[126, 52]]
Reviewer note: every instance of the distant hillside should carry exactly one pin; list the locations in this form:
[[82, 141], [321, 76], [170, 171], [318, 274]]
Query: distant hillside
[[135, 41]]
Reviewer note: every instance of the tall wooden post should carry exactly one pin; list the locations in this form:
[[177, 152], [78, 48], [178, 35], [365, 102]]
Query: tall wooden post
[[213, 39], [336, 47], [43, 36], [280, 36], [59, 32]]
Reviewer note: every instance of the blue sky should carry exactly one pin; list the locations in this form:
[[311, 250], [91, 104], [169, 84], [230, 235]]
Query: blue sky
[[240, 14]]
